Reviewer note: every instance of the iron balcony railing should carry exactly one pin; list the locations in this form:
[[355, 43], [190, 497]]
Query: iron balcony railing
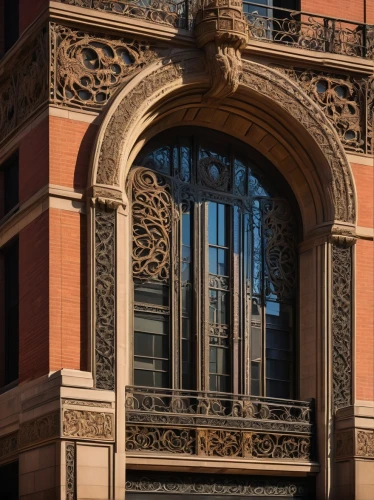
[[265, 23], [218, 425]]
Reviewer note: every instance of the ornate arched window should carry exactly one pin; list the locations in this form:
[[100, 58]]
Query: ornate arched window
[[214, 267]]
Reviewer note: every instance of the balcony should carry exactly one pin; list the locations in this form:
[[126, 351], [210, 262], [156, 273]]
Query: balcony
[[194, 423], [265, 23]]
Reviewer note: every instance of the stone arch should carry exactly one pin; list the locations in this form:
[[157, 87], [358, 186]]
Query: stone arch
[[288, 116]]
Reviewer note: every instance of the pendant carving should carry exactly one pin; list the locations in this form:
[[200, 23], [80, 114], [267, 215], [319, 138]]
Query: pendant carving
[[222, 30]]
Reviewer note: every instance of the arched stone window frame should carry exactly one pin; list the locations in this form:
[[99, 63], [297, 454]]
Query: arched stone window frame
[[292, 132]]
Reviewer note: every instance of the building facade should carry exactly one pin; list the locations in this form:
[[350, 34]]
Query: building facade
[[187, 260]]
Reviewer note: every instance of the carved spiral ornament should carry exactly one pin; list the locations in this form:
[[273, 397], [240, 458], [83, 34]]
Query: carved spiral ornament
[[152, 220]]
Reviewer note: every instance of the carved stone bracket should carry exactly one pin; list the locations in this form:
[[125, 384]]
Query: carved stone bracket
[[342, 322], [222, 30]]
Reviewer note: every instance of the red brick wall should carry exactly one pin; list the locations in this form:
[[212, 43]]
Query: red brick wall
[[29, 10], [346, 9], [33, 158], [34, 290], [71, 144], [364, 320], [68, 309], [364, 180]]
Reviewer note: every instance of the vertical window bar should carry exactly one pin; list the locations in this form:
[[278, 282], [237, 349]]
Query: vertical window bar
[[236, 293]]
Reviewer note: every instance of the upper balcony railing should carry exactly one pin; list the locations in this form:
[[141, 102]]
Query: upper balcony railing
[[218, 425], [265, 23]]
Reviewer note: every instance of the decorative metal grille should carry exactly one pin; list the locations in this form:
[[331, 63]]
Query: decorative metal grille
[[70, 471], [169, 12], [192, 423], [208, 237]]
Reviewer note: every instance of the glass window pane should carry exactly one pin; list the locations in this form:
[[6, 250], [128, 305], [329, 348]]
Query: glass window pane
[[212, 223], [186, 229], [240, 174], [159, 160], [151, 323], [278, 339], [143, 345], [142, 377], [222, 262], [213, 306], [223, 305], [277, 389], [185, 162], [151, 293], [223, 211], [280, 370], [213, 257]]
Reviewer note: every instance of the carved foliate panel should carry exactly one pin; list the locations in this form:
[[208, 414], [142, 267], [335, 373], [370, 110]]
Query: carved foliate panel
[[88, 424], [243, 486], [26, 89], [105, 298], [8, 445], [344, 444], [39, 429], [152, 439], [342, 325], [365, 443], [346, 101], [87, 69]]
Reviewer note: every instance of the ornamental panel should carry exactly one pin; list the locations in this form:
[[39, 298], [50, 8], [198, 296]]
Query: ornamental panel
[[146, 484], [105, 298], [346, 101], [87, 69], [342, 325], [70, 471], [365, 444], [27, 88], [88, 424]]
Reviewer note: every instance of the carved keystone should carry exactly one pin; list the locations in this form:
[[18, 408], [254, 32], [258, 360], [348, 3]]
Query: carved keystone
[[222, 30]]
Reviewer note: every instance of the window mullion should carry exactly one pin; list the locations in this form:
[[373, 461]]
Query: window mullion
[[175, 292], [204, 281], [235, 283]]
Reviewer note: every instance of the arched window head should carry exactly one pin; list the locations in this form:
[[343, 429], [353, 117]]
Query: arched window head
[[214, 268]]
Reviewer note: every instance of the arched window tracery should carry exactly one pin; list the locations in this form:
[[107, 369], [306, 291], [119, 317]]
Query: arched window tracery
[[214, 268]]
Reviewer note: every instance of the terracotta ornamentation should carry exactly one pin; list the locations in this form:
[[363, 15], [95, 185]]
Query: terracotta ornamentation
[[88, 424], [105, 298], [222, 30], [39, 429]]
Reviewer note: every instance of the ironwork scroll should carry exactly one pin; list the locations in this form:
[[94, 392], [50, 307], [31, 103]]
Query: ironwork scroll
[[341, 325], [105, 298]]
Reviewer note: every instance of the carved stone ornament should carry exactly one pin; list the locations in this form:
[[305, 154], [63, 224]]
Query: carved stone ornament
[[87, 69], [88, 424], [8, 445], [39, 429], [258, 78], [25, 86], [105, 224], [70, 471], [243, 486], [222, 30], [341, 325], [365, 444]]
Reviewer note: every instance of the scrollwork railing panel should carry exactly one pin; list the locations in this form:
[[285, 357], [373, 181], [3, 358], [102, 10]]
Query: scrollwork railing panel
[[164, 420]]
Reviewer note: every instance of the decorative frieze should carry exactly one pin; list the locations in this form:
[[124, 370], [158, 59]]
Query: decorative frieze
[[244, 486], [91, 404], [70, 471], [105, 223], [88, 424], [8, 445], [86, 69], [342, 325], [25, 86], [40, 429], [365, 444]]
